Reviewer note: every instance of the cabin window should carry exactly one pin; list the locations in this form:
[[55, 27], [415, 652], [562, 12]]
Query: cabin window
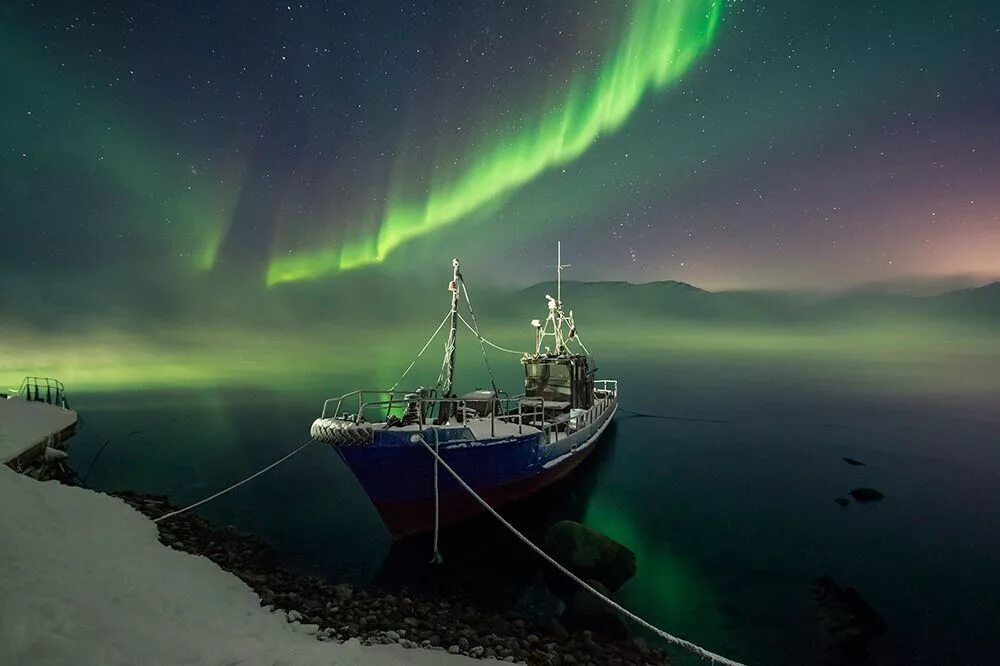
[[559, 371]]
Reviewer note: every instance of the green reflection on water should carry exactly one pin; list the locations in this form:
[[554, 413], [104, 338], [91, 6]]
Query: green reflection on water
[[879, 358], [667, 590]]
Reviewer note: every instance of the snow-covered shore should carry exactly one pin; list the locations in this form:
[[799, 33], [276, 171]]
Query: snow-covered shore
[[86, 581]]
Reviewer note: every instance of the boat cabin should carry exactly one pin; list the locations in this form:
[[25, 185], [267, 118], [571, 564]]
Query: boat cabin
[[567, 378]]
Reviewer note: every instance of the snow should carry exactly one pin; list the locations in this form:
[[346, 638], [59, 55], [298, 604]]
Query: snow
[[85, 581], [479, 427], [24, 424]]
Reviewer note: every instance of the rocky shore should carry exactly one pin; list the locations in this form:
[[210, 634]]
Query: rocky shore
[[340, 612]]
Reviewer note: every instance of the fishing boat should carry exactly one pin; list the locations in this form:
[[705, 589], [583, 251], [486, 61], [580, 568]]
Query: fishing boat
[[504, 447]]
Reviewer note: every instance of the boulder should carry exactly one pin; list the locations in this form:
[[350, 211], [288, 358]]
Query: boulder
[[842, 501], [866, 495], [585, 611], [588, 554], [537, 604], [848, 623]]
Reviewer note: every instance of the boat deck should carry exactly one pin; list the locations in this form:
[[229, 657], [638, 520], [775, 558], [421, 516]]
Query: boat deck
[[481, 427], [26, 427]]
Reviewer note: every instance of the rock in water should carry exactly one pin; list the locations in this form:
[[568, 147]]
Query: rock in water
[[852, 461], [589, 554], [847, 621], [585, 611], [866, 495], [537, 604], [842, 501]]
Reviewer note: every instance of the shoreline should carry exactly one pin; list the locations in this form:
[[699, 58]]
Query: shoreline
[[340, 612]]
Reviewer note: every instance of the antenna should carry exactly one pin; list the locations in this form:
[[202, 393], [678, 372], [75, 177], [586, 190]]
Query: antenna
[[556, 315], [559, 266]]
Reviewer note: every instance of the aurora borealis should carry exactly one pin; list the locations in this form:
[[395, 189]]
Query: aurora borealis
[[250, 207], [726, 144], [661, 41]]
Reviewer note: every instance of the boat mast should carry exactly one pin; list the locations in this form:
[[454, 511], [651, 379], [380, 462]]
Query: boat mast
[[449, 347]]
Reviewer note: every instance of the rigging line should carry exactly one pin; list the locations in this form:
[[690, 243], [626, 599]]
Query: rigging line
[[495, 346], [673, 640], [421, 353], [235, 485], [482, 345], [668, 417]]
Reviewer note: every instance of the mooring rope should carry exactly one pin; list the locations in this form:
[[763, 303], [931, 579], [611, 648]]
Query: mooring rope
[[436, 558], [495, 346], [673, 640], [100, 451], [669, 417], [234, 486]]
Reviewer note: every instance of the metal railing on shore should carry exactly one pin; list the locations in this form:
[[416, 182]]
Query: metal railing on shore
[[42, 389]]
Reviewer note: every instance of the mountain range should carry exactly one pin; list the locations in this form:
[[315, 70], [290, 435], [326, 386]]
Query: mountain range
[[678, 300]]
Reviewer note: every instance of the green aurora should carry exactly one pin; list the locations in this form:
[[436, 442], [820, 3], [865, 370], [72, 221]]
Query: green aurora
[[158, 196], [660, 43]]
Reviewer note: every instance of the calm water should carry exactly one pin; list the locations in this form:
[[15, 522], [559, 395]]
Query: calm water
[[730, 522]]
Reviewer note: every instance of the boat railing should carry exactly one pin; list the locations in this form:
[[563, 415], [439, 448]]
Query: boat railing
[[607, 385], [377, 405], [363, 396], [576, 422]]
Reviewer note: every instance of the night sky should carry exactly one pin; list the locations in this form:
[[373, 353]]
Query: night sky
[[727, 144]]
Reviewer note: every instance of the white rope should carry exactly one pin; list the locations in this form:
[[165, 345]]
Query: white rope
[[421, 353], [234, 486], [680, 642], [437, 558], [469, 326]]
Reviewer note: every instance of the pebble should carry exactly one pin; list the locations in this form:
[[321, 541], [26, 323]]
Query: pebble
[[342, 612]]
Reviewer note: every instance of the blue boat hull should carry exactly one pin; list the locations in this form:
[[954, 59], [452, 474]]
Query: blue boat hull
[[398, 475]]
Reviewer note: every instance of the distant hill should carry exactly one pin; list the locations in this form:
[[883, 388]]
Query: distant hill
[[370, 298], [671, 299], [976, 303], [678, 300]]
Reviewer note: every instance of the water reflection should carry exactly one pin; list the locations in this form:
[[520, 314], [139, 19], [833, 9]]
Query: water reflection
[[482, 560], [730, 523]]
